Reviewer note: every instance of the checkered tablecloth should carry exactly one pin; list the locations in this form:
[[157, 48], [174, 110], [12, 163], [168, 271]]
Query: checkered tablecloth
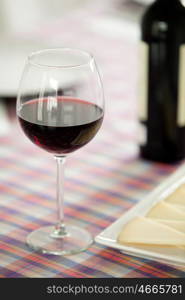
[[103, 180]]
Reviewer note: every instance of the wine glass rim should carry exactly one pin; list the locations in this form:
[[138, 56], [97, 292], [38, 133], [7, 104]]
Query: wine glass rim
[[34, 54]]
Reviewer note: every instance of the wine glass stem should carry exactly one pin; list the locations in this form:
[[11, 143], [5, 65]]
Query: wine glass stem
[[60, 229]]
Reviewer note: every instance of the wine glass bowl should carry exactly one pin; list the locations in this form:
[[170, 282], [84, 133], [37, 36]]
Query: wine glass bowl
[[60, 108]]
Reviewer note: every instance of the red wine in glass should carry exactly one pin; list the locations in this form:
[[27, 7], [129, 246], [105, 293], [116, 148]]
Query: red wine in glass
[[60, 107], [70, 123]]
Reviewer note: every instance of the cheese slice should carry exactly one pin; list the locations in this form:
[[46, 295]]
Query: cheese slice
[[178, 206], [141, 230], [178, 225], [164, 210], [178, 196]]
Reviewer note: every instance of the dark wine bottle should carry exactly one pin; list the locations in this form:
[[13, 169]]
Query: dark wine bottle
[[162, 82]]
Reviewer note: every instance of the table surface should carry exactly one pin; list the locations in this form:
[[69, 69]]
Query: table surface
[[103, 180]]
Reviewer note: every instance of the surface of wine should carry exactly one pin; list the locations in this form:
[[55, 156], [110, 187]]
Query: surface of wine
[[60, 125], [163, 111]]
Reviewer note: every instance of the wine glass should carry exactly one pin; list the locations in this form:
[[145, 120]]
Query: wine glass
[[60, 108]]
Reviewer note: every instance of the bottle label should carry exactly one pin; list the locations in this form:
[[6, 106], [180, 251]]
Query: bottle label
[[181, 88], [142, 134], [143, 81]]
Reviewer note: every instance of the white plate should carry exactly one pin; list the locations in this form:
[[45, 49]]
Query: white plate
[[166, 254]]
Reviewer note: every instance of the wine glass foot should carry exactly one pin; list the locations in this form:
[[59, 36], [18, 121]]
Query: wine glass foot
[[75, 241]]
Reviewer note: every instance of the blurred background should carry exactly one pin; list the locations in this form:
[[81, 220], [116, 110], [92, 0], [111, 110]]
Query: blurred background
[[107, 28]]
